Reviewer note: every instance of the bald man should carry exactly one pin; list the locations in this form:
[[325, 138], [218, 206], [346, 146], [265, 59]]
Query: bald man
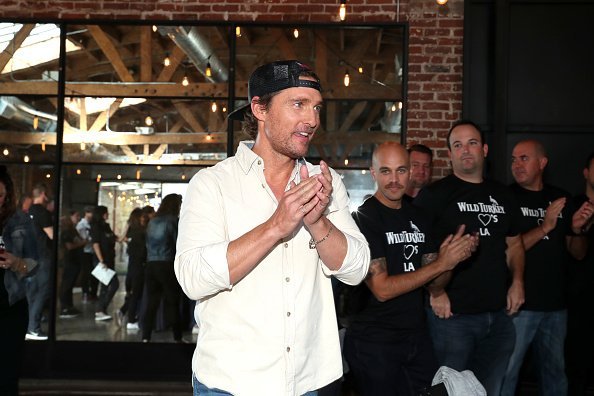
[[550, 229], [387, 344]]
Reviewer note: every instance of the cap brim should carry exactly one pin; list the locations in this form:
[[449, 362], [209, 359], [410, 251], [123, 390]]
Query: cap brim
[[238, 114]]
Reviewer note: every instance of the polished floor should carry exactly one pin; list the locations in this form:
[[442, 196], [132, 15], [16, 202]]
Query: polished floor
[[85, 328]]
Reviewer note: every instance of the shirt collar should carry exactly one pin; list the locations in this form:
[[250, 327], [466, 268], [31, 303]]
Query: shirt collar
[[246, 159]]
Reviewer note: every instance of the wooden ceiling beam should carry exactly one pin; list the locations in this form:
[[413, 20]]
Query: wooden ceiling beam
[[146, 53], [111, 53], [15, 44]]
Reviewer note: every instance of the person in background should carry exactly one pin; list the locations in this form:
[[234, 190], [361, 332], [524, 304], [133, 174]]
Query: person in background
[[260, 236], [38, 285], [387, 344], [421, 166], [104, 240], [580, 343], [135, 277], [550, 228], [18, 258], [471, 305], [72, 244], [161, 236], [88, 282]]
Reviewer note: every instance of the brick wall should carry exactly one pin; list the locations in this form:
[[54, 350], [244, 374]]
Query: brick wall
[[435, 41]]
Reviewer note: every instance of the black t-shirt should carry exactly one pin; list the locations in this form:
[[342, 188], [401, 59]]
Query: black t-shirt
[[102, 234], [42, 218], [545, 273], [137, 244], [401, 236], [70, 235], [480, 283]]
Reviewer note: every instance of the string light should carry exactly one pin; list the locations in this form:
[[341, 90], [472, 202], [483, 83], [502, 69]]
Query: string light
[[342, 10], [346, 161], [78, 171], [159, 167], [238, 31], [400, 105], [393, 107], [35, 122], [119, 177], [208, 69], [224, 109], [208, 137], [185, 81], [26, 158], [213, 107], [183, 176], [347, 78], [166, 61], [155, 28], [47, 176], [360, 69], [148, 120], [5, 152], [296, 33], [98, 177]]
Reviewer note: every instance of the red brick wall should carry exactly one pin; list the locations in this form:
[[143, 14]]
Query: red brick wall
[[435, 41]]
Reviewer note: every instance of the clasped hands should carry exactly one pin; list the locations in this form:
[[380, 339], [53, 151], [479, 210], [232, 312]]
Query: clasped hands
[[304, 202]]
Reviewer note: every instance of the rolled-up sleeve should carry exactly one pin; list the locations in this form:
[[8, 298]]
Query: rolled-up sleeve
[[201, 259], [356, 262]]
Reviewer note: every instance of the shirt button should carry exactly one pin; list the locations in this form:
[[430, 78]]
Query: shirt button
[[288, 349], [259, 162], [288, 313], [287, 279], [286, 245]]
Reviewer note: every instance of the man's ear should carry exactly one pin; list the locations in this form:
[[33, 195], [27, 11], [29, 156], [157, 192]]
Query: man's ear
[[258, 110], [485, 150]]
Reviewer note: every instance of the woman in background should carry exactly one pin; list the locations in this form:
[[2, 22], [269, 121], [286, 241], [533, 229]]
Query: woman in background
[[18, 257], [136, 238], [103, 240]]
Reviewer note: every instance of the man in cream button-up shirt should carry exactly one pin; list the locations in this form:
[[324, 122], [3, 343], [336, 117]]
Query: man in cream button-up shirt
[[260, 235]]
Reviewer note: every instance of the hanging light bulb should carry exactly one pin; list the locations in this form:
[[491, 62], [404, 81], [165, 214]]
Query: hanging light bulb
[[208, 71], [5, 152], [43, 145], [47, 176], [342, 10], [159, 167], [185, 81], [26, 158], [363, 172], [208, 137], [155, 28], [347, 78], [393, 107], [119, 177], [98, 177], [296, 33], [137, 174], [213, 107], [442, 2], [166, 61], [35, 122], [346, 161], [224, 109], [399, 105], [83, 147], [238, 31], [183, 176], [360, 69], [78, 171], [148, 120]]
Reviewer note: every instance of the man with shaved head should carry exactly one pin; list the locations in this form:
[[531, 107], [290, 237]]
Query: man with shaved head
[[550, 229], [387, 344]]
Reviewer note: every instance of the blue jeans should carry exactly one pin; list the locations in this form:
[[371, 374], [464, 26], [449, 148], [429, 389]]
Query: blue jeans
[[482, 343], [546, 332], [37, 289], [202, 390]]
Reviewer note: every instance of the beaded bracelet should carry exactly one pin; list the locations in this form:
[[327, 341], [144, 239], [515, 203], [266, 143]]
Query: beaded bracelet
[[313, 244]]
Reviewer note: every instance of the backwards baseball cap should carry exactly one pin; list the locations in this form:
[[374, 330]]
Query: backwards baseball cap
[[274, 77]]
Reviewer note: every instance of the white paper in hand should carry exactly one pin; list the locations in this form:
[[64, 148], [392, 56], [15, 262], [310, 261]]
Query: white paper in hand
[[103, 274]]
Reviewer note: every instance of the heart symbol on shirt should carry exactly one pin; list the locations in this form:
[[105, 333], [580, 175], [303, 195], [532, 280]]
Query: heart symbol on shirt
[[409, 250], [485, 218], [540, 221]]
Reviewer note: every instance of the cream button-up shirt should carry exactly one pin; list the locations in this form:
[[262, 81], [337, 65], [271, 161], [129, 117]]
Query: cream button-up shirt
[[275, 331]]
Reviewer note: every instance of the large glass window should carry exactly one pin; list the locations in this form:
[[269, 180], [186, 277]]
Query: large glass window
[[142, 108]]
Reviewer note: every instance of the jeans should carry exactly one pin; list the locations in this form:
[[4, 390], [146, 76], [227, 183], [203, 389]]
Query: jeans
[[202, 390], [546, 332], [37, 290], [480, 342], [400, 368]]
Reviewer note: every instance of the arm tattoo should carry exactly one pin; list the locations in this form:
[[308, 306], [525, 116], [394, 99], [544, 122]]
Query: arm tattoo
[[428, 258], [376, 267]]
